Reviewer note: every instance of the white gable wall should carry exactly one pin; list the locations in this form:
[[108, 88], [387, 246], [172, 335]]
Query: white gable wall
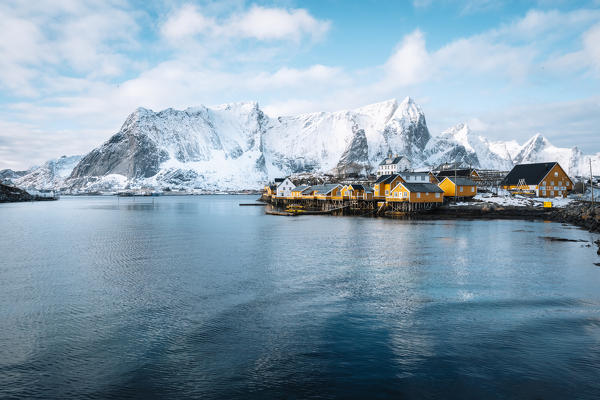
[[284, 189]]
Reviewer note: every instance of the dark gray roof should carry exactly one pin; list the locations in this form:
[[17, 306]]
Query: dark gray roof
[[386, 178], [300, 188], [382, 178], [532, 173], [394, 160], [321, 189], [357, 187], [458, 172], [461, 181], [413, 173], [279, 180], [422, 187]]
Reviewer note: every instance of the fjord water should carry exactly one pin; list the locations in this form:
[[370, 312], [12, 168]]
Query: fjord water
[[197, 297]]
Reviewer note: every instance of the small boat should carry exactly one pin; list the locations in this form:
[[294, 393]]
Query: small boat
[[295, 209], [284, 213]]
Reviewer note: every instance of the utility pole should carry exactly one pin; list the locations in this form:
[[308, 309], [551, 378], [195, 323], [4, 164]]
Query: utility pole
[[455, 184], [592, 182]]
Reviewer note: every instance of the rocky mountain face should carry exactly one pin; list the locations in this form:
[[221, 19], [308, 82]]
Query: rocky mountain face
[[459, 144], [237, 146], [8, 176], [51, 175]]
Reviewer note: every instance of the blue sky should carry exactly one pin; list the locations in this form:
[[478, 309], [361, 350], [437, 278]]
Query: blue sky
[[71, 71]]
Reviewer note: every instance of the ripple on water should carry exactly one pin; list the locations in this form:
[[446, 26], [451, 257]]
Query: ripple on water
[[198, 297]]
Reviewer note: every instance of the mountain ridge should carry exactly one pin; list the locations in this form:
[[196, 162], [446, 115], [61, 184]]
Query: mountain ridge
[[237, 146]]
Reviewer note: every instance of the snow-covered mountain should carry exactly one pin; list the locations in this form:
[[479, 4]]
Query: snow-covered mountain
[[460, 144], [237, 146], [51, 175]]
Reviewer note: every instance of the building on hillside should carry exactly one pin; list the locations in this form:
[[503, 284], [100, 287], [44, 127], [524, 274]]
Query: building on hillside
[[284, 187], [544, 179], [469, 173], [393, 164], [458, 187], [416, 193], [384, 184], [452, 166]]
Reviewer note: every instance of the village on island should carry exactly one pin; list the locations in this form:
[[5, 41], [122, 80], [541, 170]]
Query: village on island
[[397, 190]]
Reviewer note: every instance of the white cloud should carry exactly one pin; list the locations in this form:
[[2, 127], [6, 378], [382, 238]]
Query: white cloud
[[80, 64], [37, 42], [293, 77], [260, 23], [186, 21], [274, 23], [565, 124], [410, 63], [591, 45]]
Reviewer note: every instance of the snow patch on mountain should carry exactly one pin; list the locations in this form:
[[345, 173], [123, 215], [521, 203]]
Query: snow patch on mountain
[[237, 146], [51, 175], [459, 143]]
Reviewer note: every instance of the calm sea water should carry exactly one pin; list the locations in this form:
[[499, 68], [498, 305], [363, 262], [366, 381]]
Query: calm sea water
[[198, 297]]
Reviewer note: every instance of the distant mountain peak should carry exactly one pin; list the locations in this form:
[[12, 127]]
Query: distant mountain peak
[[236, 146]]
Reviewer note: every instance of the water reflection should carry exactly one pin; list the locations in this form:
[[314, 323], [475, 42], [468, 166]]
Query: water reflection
[[198, 297]]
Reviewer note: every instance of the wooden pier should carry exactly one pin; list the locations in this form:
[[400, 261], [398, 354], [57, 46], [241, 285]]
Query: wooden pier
[[374, 207]]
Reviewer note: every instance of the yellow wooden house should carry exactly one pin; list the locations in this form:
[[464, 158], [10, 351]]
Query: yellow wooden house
[[416, 193], [458, 187], [542, 179], [384, 184], [297, 191], [329, 191], [268, 190], [356, 192]]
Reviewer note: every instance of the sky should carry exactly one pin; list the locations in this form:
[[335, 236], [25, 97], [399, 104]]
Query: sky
[[71, 71]]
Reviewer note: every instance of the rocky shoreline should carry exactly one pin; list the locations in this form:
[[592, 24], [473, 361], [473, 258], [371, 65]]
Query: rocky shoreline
[[581, 214], [11, 194]]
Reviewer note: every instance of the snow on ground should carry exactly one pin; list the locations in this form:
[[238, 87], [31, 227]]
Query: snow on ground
[[517, 201]]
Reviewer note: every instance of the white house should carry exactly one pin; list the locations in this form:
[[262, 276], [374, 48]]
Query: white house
[[284, 187], [393, 165]]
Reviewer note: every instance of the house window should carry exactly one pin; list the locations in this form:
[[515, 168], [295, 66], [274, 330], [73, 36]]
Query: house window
[[552, 193], [559, 183], [461, 188], [387, 192], [556, 173], [551, 183], [567, 184], [418, 195], [543, 192], [396, 194], [544, 183], [437, 195], [472, 189]]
